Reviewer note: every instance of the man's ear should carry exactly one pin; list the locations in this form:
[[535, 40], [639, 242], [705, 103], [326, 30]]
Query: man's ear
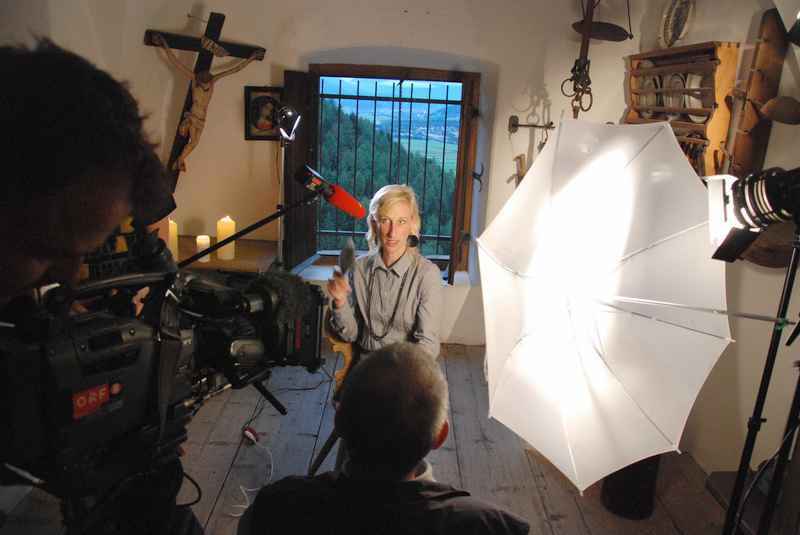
[[441, 436]]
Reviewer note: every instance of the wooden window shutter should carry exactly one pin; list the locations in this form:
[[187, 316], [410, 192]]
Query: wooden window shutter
[[301, 91], [462, 199]]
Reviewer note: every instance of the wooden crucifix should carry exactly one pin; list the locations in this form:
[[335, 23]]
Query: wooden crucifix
[[202, 81]]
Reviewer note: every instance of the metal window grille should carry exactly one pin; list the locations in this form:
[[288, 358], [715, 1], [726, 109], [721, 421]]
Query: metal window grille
[[376, 131]]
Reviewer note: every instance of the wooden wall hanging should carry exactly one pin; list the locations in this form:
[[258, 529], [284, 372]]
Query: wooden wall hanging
[[764, 77], [773, 247], [202, 65], [687, 86]]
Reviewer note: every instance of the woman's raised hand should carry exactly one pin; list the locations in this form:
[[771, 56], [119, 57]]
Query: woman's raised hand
[[338, 288]]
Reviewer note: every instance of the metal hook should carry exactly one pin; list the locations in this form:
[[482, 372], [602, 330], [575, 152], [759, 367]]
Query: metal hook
[[514, 125], [543, 142], [478, 177]]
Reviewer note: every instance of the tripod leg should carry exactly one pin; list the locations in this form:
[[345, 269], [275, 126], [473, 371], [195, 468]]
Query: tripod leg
[[323, 453], [781, 463], [269, 397]]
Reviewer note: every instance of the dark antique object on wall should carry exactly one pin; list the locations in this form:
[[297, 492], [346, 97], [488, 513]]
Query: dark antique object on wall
[[203, 64], [260, 107]]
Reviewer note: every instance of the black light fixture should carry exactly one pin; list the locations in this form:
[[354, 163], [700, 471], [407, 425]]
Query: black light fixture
[[741, 208], [287, 120], [270, 113]]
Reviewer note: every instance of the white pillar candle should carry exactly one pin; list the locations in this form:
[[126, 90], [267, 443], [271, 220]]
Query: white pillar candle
[[172, 240], [203, 242], [226, 227]]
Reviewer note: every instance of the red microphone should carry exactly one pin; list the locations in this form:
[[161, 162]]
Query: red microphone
[[333, 193], [345, 202]]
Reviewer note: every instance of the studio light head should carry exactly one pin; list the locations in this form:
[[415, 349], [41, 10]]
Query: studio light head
[[287, 120], [739, 209], [268, 113]]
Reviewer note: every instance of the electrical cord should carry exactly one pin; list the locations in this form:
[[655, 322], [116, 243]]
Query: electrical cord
[[257, 410], [761, 471], [307, 388], [197, 487], [251, 436], [324, 369]]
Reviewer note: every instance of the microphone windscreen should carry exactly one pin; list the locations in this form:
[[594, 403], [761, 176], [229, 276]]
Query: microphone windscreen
[[294, 297], [346, 202], [347, 256]]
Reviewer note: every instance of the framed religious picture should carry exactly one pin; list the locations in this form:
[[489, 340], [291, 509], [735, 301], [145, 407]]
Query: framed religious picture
[[260, 106]]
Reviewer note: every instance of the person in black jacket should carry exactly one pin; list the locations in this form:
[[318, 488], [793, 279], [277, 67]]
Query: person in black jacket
[[393, 411]]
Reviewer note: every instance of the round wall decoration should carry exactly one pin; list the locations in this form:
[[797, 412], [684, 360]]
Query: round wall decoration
[[675, 21]]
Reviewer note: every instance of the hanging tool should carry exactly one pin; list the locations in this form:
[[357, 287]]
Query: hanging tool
[[581, 92], [479, 177]]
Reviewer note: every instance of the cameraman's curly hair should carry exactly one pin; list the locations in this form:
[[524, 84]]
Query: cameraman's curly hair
[[65, 120]]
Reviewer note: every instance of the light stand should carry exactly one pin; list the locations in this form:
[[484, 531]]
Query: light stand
[[279, 172], [783, 456], [787, 520], [754, 423], [755, 202]]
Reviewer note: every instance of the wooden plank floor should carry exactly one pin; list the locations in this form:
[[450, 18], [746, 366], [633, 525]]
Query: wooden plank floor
[[480, 455]]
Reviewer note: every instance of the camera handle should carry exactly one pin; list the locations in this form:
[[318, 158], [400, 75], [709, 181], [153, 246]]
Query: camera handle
[[58, 300], [308, 199]]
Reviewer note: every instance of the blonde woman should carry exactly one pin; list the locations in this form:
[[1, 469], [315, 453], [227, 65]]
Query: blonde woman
[[393, 294]]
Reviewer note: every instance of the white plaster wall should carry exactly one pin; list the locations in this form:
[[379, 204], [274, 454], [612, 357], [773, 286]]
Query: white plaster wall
[[523, 48]]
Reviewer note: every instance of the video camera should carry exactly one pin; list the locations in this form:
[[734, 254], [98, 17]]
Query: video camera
[[95, 404]]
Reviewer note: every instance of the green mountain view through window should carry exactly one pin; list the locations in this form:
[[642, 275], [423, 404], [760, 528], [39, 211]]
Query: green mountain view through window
[[407, 133]]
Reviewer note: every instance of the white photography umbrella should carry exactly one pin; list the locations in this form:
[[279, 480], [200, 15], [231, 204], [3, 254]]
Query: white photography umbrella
[[581, 362]]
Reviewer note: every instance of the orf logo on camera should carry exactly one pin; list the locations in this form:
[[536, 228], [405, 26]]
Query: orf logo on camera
[[88, 401]]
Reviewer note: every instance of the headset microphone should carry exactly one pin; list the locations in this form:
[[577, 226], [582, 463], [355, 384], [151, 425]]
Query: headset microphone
[[333, 193]]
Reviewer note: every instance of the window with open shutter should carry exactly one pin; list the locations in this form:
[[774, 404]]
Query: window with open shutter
[[377, 125]]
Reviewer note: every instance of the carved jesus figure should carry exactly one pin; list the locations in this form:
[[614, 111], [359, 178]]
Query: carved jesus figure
[[194, 120]]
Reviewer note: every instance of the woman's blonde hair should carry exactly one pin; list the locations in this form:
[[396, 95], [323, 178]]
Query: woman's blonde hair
[[381, 201]]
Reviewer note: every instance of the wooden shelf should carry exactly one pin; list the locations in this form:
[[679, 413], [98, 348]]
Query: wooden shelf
[[674, 91], [699, 128], [252, 256], [705, 143], [700, 67], [680, 53], [668, 109]]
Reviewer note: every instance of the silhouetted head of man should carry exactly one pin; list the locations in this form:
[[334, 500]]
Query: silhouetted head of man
[[76, 162], [392, 412]]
